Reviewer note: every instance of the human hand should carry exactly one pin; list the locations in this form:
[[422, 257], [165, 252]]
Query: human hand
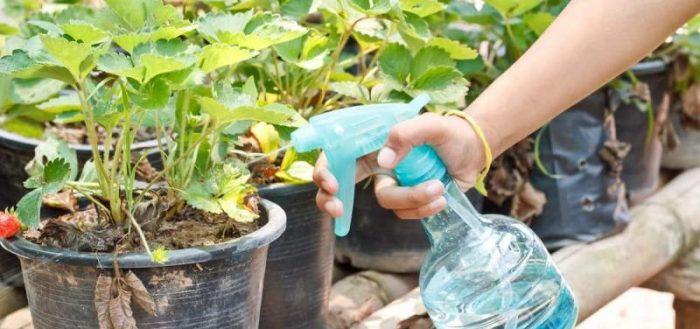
[[452, 138]]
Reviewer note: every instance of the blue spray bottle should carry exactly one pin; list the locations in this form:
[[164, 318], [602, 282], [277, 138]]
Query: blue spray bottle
[[482, 271]]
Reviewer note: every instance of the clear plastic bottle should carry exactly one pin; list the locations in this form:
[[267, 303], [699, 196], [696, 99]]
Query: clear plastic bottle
[[487, 271]]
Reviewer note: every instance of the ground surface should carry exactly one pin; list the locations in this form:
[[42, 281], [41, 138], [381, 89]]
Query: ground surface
[[636, 309]]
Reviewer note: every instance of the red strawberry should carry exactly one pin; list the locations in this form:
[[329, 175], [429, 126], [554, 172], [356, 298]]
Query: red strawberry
[[9, 224]]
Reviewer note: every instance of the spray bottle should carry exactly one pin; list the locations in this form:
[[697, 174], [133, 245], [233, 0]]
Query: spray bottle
[[482, 271]]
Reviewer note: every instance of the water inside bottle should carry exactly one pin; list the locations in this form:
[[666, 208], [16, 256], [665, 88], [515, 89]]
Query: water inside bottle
[[496, 276]]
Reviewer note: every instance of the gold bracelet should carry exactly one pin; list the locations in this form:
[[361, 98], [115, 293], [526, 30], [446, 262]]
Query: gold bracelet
[[479, 185]]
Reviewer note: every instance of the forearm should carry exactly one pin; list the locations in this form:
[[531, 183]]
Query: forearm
[[590, 43]]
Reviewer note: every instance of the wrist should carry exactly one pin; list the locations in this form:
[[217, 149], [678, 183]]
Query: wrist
[[485, 157]]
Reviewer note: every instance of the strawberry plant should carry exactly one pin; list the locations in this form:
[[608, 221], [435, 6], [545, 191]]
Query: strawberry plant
[[136, 64]]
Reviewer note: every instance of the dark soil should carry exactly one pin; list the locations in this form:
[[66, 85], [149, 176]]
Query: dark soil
[[86, 231]]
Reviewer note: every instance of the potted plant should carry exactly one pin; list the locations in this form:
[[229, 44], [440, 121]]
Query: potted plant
[[683, 138], [336, 63], [181, 247]]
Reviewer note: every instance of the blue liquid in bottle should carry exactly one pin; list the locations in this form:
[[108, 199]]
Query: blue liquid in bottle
[[485, 271]]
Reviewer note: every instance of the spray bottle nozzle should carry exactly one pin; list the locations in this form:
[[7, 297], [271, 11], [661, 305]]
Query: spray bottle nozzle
[[348, 134]]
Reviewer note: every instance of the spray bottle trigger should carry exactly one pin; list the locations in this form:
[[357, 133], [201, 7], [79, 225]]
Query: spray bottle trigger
[[344, 170]]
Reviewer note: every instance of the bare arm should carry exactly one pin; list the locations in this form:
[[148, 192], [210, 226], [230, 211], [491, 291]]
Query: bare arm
[[589, 44]]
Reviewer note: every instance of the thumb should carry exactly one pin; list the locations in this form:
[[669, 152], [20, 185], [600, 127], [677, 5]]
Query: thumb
[[428, 128]]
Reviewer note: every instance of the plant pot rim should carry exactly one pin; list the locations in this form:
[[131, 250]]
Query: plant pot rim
[[649, 67], [284, 188], [21, 143], [276, 224]]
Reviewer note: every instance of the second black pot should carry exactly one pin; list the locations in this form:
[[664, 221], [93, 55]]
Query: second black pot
[[378, 240], [299, 263]]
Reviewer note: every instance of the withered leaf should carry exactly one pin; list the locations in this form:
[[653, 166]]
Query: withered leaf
[[65, 200], [103, 294], [145, 171], [528, 203], [120, 310], [642, 91], [691, 102], [139, 294], [420, 321]]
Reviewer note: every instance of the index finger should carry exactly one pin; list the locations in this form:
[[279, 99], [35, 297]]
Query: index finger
[[323, 177]]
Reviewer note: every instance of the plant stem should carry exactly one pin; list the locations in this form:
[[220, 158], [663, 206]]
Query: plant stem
[[140, 232]]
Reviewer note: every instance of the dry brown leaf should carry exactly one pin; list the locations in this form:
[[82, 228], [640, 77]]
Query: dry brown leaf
[[103, 295], [528, 203], [145, 171], [120, 310], [65, 200], [419, 321], [642, 91], [691, 102], [140, 295]]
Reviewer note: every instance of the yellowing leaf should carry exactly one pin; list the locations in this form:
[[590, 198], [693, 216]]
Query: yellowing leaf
[[299, 172], [456, 50], [24, 127], [218, 55], [268, 138]]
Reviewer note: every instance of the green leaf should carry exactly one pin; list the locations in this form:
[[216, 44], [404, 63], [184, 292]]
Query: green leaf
[[422, 8], [24, 127], [21, 65], [219, 55], [211, 24], [538, 22], [119, 64], [350, 89], [69, 53], [456, 50], [28, 208], [51, 149], [429, 57], [395, 62], [436, 78], [296, 8], [69, 117], [268, 34], [199, 195], [503, 6], [371, 7], [87, 33], [133, 12], [157, 64], [276, 114], [525, 6], [153, 95], [56, 173], [63, 103], [30, 91]]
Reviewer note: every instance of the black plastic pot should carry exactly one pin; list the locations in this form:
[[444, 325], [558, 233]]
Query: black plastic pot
[[299, 263], [378, 240], [641, 166], [209, 287], [578, 207], [10, 273]]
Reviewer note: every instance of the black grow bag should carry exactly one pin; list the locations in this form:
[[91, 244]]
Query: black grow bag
[[641, 166], [578, 207], [299, 263], [199, 288], [378, 240]]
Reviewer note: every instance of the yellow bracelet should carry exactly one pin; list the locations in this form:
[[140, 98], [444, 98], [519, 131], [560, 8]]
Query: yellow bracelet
[[479, 185]]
